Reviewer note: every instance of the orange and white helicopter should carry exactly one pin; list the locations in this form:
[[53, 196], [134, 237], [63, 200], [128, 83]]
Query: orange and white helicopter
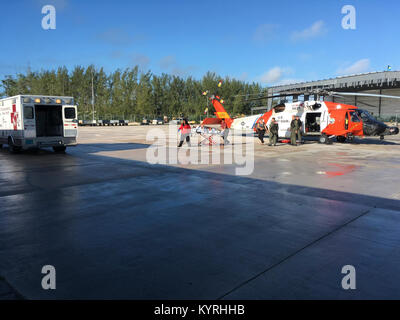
[[325, 119]]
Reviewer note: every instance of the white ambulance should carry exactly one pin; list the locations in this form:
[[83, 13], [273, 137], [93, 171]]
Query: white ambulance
[[33, 121]]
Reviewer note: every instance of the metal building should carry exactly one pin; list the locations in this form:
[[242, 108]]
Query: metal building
[[386, 83]]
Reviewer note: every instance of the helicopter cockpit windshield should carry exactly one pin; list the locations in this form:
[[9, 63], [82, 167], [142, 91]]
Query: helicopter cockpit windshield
[[371, 126], [365, 116]]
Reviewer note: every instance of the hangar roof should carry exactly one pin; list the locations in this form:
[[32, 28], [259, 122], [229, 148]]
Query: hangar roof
[[356, 82]]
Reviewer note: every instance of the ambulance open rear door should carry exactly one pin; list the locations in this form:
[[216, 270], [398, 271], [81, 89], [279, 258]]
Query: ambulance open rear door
[[70, 120]]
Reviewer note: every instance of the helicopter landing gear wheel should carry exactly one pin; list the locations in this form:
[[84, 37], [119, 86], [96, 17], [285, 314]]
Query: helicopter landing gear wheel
[[340, 139], [351, 138], [324, 139]]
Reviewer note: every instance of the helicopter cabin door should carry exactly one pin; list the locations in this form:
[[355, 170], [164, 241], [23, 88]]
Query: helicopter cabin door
[[312, 124], [353, 123]]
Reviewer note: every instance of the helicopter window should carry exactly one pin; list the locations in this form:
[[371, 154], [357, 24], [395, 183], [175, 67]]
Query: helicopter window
[[316, 106], [354, 116], [279, 108], [365, 116]]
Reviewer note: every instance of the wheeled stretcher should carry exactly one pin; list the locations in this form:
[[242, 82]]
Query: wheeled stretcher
[[208, 135]]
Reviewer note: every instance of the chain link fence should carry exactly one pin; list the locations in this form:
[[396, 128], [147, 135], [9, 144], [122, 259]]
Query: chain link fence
[[87, 117]]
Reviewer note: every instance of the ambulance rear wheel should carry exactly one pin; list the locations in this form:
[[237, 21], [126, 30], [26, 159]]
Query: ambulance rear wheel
[[59, 149], [12, 148]]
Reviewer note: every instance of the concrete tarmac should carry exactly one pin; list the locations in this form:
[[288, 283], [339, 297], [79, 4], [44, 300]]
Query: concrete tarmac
[[117, 227]]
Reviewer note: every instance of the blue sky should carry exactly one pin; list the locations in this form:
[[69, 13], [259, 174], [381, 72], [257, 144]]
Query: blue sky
[[271, 42]]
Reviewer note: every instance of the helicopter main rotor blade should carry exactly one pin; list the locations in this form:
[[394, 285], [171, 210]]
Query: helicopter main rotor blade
[[367, 104], [363, 95], [269, 97], [312, 92]]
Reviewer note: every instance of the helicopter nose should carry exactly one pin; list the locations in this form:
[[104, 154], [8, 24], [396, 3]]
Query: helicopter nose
[[374, 128], [394, 130], [391, 131]]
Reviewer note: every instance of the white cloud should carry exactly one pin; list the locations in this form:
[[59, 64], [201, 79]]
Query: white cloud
[[141, 60], [359, 66], [116, 54], [305, 57], [288, 81], [115, 37], [182, 71], [274, 75], [315, 30], [167, 62], [171, 64], [244, 76], [264, 33]]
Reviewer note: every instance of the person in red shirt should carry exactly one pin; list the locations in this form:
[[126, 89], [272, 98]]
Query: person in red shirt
[[185, 130]]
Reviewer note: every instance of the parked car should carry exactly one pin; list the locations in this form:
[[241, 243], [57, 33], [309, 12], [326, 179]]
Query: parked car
[[176, 121], [158, 121], [89, 123], [145, 122]]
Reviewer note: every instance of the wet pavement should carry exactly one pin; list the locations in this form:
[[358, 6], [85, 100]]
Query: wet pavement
[[115, 226]]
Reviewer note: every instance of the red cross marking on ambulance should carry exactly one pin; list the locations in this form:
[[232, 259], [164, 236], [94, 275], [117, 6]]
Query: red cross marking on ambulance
[[14, 116]]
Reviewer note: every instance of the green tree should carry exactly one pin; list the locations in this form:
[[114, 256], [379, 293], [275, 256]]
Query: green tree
[[122, 94], [144, 96]]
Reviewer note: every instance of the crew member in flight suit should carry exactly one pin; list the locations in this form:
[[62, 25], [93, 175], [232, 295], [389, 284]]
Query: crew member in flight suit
[[293, 125], [295, 130], [261, 128], [299, 125], [273, 132]]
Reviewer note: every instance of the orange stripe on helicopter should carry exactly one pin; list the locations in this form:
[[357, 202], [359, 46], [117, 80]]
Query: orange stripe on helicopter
[[222, 115], [265, 116], [220, 111]]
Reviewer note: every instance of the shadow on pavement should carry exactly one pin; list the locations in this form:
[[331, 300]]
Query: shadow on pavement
[[125, 229]]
